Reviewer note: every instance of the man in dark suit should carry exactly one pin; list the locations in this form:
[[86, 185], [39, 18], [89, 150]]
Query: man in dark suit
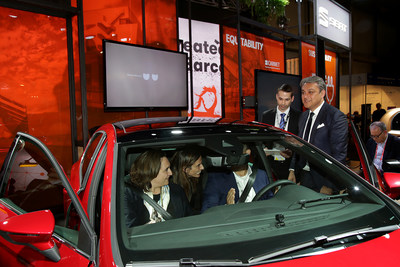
[[287, 118], [382, 145], [325, 127], [283, 116]]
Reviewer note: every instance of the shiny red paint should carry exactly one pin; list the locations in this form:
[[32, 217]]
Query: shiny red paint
[[378, 252]]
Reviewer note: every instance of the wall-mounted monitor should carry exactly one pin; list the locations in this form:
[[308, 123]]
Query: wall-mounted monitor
[[138, 77]]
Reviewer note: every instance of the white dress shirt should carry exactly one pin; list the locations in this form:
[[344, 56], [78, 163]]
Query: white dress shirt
[[241, 182]]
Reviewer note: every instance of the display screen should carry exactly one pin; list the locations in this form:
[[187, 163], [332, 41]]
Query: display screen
[[267, 84], [143, 77]]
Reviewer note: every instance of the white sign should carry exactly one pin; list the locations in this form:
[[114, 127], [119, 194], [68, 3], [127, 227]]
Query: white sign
[[206, 66], [332, 22]]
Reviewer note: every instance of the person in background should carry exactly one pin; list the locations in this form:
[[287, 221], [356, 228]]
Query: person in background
[[187, 165], [378, 113], [381, 145], [287, 118], [325, 127], [150, 174], [227, 187], [356, 117]]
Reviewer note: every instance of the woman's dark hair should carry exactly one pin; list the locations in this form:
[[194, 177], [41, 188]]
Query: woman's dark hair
[[145, 168], [181, 160]]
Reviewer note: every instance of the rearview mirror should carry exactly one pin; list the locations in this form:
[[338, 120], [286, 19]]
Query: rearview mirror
[[34, 229]]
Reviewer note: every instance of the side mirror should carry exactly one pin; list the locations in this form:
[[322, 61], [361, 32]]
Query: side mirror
[[34, 229]]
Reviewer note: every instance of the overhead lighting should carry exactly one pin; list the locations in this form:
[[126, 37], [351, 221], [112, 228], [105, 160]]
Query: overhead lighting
[[176, 132]]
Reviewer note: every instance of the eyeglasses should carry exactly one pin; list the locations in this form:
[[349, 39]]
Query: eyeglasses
[[376, 136]]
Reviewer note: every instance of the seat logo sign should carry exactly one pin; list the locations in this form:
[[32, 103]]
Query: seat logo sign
[[325, 20]]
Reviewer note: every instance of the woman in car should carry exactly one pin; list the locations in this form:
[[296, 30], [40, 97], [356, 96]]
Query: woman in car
[[187, 165], [149, 191]]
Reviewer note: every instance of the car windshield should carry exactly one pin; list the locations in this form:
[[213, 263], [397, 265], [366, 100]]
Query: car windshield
[[270, 223]]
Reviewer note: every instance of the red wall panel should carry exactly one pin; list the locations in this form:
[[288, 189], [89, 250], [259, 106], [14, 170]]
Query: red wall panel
[[34, 92], [257, 53]]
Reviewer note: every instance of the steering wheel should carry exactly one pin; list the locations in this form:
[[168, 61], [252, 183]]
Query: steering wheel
[[270, 186]]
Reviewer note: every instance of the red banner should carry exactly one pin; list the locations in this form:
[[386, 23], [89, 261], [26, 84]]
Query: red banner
[[257, 53], [309, 69]]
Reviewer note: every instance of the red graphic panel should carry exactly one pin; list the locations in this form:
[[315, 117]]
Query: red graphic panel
[[207, 101], [309, 69], [257, 53], [161, 30]]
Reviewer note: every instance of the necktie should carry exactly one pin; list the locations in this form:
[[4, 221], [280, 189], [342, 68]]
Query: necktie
[[308, 127], [282, 122]]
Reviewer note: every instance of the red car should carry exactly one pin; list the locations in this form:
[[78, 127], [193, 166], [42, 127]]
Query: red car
[[47, 219]]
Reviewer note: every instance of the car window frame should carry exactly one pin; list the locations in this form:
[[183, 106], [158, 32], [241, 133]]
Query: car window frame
[[84, 177], [366, 162], [97, 178]]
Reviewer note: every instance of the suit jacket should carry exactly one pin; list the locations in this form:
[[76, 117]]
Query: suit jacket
[[392, 148], [329, 132], [293, 127], [219, 183]]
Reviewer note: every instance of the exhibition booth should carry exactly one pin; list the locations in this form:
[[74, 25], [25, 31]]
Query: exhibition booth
[[72, 68]]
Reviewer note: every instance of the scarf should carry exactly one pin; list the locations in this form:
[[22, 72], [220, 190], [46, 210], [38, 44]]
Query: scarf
[[163, 202]]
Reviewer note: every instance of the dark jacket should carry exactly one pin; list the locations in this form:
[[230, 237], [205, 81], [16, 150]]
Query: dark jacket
[[293, 127], [329, 132], [136, 212]]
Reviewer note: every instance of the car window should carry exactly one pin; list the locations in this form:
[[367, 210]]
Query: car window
[[284, 214], [32, 184]]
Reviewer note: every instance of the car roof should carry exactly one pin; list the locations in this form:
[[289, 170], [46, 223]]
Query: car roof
[[154, 128]]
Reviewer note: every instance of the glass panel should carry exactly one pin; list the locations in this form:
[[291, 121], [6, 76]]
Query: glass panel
[[34, 94]]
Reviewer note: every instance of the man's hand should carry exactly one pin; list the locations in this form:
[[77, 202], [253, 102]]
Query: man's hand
[[287, 153], [230, 198], [326, 190], [292, 176]]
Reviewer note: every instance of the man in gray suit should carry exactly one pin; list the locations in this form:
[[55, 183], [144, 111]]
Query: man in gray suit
[[287, 118], [325, 127]]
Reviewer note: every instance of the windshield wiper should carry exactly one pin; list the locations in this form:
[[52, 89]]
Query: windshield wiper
[[186, 262], [303, 202], [190, 262], [321, 240]]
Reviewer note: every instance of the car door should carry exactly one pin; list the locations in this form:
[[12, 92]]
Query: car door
[[35, 196]]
